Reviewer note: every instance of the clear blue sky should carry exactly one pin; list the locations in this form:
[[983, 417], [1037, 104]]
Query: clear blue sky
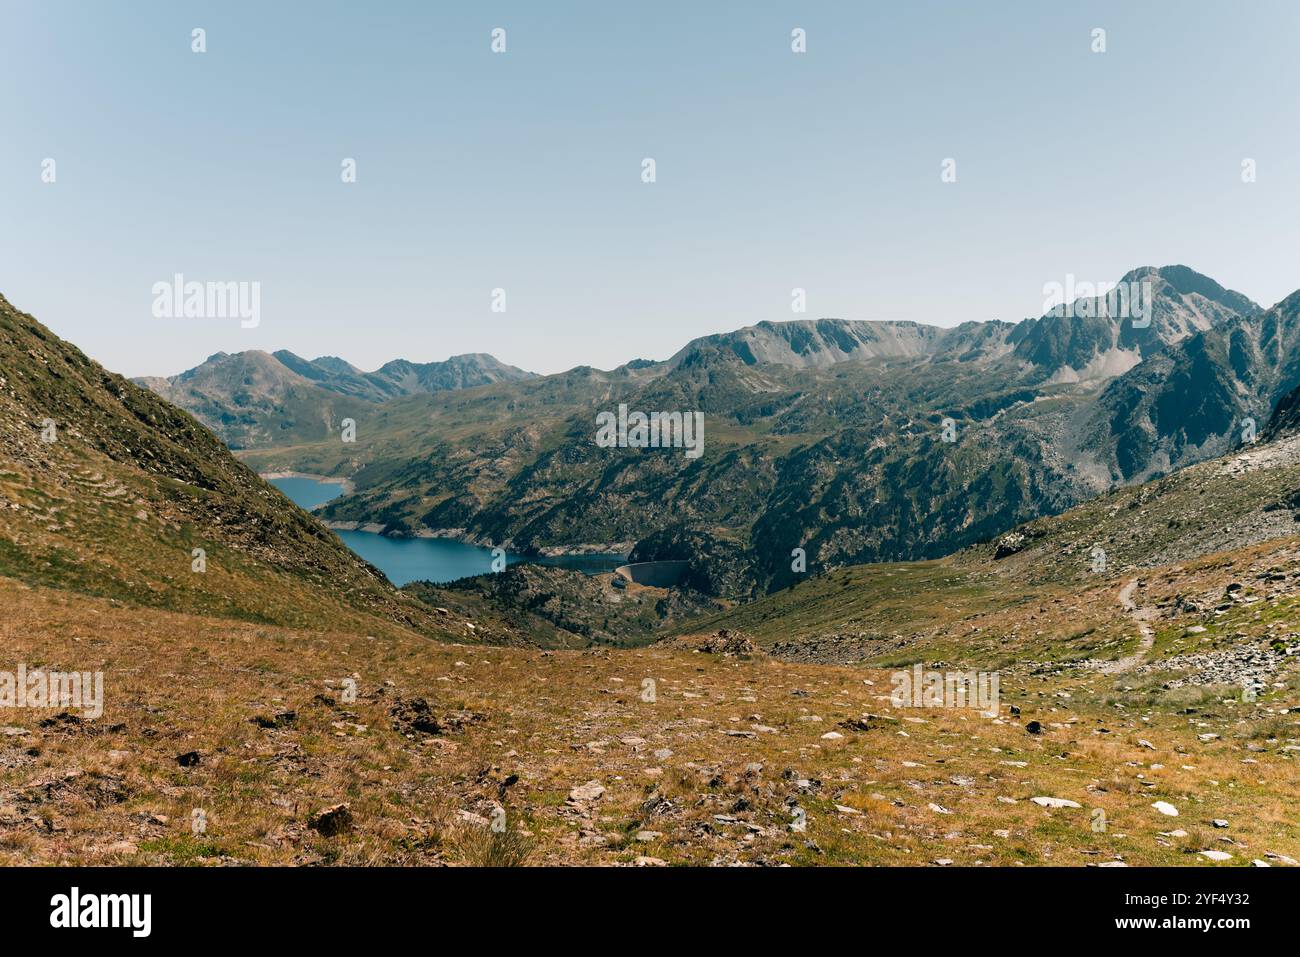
[[522, 170]]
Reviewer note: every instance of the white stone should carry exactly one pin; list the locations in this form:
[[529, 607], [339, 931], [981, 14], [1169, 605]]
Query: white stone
[[1053, 802]]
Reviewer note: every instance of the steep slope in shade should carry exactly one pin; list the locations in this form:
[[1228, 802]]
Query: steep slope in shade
[[1197, 398], [1286, 416]]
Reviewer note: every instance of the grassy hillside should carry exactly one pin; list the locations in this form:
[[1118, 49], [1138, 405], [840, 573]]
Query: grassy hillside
[[961, 604], [108, 490]]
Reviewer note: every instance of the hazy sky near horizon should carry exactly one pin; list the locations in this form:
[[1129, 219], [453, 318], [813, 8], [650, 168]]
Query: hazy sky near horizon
[[523, 170]]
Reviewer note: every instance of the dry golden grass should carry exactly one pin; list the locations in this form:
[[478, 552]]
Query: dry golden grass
[[537, 724]]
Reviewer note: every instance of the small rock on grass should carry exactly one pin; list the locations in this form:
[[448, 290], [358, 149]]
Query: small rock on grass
[[333, 820], [1054, 802], [591, 791]]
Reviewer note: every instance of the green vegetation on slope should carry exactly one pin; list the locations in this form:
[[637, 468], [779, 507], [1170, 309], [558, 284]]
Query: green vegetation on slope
[[107, 489]]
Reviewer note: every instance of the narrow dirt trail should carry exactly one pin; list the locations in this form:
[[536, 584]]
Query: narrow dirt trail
[[1141, 617]]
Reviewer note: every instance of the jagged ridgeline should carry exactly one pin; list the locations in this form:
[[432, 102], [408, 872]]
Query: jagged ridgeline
[[107, 489], [827, 435]]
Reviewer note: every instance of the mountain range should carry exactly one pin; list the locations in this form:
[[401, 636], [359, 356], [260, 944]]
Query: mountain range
[[1144, 640], [256, 398], [826, 435]]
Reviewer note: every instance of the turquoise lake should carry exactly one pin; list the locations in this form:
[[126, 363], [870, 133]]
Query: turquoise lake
[[424, 559]]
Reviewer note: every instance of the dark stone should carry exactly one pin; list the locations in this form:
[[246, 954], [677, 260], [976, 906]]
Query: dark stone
[[281, 719], [332, 820]]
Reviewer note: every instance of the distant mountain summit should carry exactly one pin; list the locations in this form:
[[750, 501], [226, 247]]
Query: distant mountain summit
[[256, 398], [1085, 339]]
